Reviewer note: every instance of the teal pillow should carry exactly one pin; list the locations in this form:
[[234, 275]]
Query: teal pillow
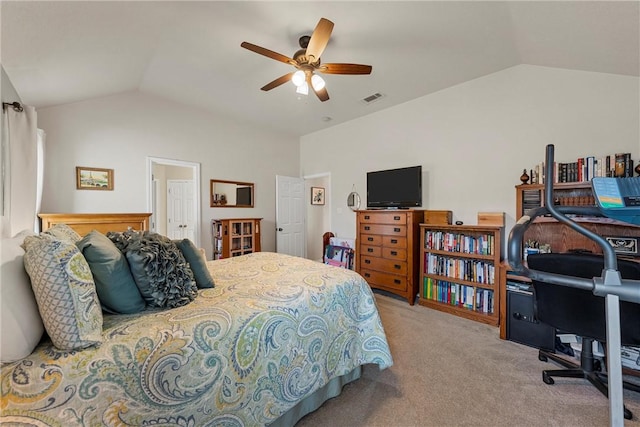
[[117, 291], [198, 264]]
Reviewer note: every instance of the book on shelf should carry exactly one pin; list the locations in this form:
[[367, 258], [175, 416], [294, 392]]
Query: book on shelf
[[583, 169]]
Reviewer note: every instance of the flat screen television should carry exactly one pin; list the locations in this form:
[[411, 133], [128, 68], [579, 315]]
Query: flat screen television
[[395, 188]]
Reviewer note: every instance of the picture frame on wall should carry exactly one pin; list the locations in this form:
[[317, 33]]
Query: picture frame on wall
[[317, 195], [90, 178]]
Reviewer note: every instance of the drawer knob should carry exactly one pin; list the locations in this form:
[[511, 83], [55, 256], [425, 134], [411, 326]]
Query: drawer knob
[[396, 281], [367, 261], [369, 250], [396, 230], [366, 227], [367, 217], [367, 275], [394, 253], [396, 218], [394, 241], [370, 239], [396, 266]]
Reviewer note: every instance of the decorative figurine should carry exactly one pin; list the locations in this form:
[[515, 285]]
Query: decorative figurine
[[524, 177]]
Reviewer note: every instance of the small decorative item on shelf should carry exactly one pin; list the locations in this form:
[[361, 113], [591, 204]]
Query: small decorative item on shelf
[[524, 177], [637, 169]]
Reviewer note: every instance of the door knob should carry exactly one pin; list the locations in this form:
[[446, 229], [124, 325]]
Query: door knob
[[279, 229]]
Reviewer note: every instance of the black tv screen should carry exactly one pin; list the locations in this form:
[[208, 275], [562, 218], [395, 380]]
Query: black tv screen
[[395, 188]]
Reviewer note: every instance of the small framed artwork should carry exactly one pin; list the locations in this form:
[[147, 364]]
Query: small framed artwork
[[317, 195], [88, 178]]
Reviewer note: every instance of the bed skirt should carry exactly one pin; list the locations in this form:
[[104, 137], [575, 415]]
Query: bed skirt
[[332, 389]]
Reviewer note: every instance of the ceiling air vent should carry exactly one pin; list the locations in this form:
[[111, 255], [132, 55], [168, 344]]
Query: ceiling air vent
[[372, 98]]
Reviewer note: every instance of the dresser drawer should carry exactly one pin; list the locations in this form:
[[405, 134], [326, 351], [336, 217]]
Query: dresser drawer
[[383, 218], [389, 230], [394, 254], [381, 264], [384, 280], [370, 239], [371, 250], [394, 242]]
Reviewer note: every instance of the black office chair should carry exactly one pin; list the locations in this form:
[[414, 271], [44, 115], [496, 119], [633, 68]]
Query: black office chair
[[582, 313]]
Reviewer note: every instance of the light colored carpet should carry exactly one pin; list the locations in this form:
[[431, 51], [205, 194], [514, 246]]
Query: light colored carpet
[[449, 371]]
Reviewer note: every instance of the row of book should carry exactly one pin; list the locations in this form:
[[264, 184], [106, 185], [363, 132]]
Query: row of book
[[464, 269], [585, 168], [459, 242], [455, 294]]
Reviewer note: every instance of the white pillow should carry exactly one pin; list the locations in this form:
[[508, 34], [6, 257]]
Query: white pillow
[[21, 326]]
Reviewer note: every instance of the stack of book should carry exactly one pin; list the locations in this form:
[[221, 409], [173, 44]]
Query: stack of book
[[585, 168]]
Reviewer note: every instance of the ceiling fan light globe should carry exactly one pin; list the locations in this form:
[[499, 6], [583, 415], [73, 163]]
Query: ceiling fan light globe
[[317, 82], [303, 89], [298, 78]]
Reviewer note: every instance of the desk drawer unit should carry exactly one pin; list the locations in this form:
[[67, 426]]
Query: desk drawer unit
[[387, 250]]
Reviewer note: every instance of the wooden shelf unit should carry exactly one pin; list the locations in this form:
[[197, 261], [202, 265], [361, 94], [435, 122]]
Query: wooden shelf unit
[[235, 236], [561, 238], [476, 275], [387, 250]]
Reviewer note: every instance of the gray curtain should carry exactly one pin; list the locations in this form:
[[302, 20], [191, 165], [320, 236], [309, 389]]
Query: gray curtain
[[19, 170]]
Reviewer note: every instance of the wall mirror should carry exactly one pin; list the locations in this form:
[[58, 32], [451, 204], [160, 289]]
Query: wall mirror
[[231, 194], [353, 201]]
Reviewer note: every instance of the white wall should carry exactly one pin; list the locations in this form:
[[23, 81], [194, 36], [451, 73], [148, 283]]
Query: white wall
[[120, 131], [473, 140]]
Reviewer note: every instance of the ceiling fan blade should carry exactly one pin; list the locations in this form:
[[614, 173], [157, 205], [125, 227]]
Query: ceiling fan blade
[[277, 82], [268, 53], [319, 39], [345, 69]]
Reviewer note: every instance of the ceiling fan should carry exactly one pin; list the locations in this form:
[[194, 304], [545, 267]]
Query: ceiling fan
[[307, 62]]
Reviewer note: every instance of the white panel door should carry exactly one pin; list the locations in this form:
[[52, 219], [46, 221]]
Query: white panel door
[[290, 216], [180, 215]]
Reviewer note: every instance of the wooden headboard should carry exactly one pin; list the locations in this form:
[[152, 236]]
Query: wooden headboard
[[83, 223]]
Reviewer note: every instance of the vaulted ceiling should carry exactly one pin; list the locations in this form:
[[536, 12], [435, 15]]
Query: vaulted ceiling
[[57, 52]]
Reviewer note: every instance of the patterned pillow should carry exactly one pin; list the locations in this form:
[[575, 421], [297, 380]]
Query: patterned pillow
[[62, 232], [65, 293], [158, 267]]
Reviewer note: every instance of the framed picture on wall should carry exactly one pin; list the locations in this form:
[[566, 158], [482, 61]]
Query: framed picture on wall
[[317, 195], [88, 178]]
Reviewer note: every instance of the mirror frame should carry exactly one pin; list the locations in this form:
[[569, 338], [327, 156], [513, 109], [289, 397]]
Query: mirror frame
[[216, 204]]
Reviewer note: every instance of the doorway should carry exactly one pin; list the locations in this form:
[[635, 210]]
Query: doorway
[[159, 174]]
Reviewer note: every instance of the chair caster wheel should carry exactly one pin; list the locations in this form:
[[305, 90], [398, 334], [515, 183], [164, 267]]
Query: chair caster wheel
[[627, 414], [542, 358], [547, 379]]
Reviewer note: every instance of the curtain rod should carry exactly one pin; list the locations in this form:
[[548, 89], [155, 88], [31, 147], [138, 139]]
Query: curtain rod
[[16, 106]]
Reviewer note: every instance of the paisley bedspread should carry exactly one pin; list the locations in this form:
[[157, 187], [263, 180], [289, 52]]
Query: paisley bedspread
[[273, 330]]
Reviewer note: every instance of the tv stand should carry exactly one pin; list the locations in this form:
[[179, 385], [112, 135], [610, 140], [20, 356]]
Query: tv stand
[[387, 250]]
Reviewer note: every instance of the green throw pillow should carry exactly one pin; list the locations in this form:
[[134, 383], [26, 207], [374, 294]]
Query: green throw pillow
[[198, 263], [65, 293], [116, 288]]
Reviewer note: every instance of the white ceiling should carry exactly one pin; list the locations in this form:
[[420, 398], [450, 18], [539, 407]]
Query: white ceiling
[[62, 52]]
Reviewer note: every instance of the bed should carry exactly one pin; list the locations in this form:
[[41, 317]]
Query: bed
[[275, 338]]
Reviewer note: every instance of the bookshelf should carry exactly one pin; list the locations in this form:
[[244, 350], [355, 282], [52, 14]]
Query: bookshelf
[[561, 238], [460, 270], [235, 236]]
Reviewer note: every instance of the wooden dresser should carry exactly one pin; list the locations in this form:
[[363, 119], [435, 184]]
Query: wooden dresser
[[387, 250]]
